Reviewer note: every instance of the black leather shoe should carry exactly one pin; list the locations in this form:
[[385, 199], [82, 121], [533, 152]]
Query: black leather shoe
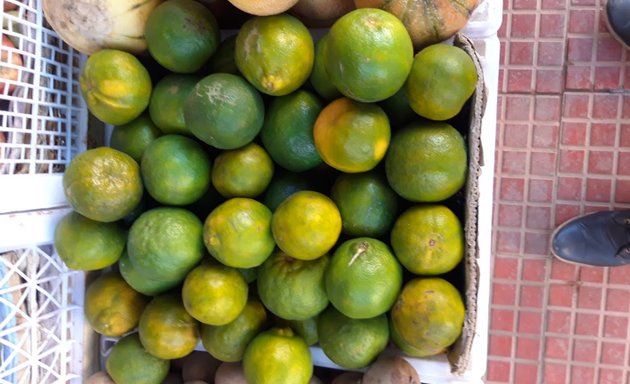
[[617, 16], [599, 239]]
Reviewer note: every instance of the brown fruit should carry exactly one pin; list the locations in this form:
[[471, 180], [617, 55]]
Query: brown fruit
[[391, 370]]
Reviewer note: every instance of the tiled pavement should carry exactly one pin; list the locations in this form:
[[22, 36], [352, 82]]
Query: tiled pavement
[[563, 149]]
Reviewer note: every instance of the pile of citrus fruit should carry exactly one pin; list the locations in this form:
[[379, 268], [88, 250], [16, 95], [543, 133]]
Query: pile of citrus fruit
[[270, 190]]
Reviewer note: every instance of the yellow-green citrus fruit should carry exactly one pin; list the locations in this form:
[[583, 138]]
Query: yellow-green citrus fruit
[[134, 137], [128, 362], [103, 184], [242, 172], [87, 245], [166, 106]]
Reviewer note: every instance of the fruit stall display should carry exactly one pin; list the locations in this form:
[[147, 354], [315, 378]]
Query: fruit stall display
[[280, 191]]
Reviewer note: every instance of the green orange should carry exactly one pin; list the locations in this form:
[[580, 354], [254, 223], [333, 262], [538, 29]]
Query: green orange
[[166, 106], [284, 184], [368, 54], [275, 53], [134, 137], [319, 78], [238, 233], [128, 362], [242, 172], [103, 184], [145, 284], [176, 170]]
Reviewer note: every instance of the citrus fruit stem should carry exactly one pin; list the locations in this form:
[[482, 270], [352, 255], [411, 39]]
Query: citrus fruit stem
[[362, 247]]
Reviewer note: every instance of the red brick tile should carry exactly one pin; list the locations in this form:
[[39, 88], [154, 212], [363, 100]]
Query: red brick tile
[[540, 191], [617, 300], [576, 105], [503, 294], [571, 161], [523, 25], [545, 136], [575, 133], [519, 80], [531, 296], [605, 106], [515, 135], [613, 353], [502, 320], [600, 162], [559, 322], [549, 81], [527, 348], [623, 165], [538, 218], [603, 134], [624, 136], [522, 52], [529, 322], [526, 373], [500, 345], [620, 275], [557, 347], [569, 188], [517, 107], [591, 274], [582, 374], [582, 21], [543, 164], [579, 77], [536, 243], [563, 271], [589, 297], [498, 371], [585, 350], [607, 78], [552, 25], [616, 326], [608, 49], [586, 324], [610, 376], [580, 49], [512, 189], [514, 162], [503, 29], [534, 270], [508, 242], [561, 295], [565, 212], [510, 215], [554, 373], [622, 191], [553, 4], [626, 99], [598, 190], [524, 4], [505, 268], [625, 81], [547, 108], [551, 53]]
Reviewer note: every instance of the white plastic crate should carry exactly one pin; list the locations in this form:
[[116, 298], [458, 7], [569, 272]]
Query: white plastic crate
[[46, 125]]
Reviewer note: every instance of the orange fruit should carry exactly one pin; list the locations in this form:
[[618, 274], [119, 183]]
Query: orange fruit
[[112, 307], [306, 328], [352, 136], [275, 53], [214, 294], [166, 106], [223, 59], [319, 78], [428, 239], [134, 137], [228, 342], [293, 289], [87, 245], [367, 204], [278, 355], [129, 362], [115, 85], [103, 184], [287, 133], [427, 162], [443, 77], [224, 111], [364, 278], [282, 185], [398, 109], [368, 54], [166, 329], [145, 285], [427, 318], [306, 225], [238, 233], [351, 343], [176, 170], [182, 35], [165, 243], [242, 172]]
